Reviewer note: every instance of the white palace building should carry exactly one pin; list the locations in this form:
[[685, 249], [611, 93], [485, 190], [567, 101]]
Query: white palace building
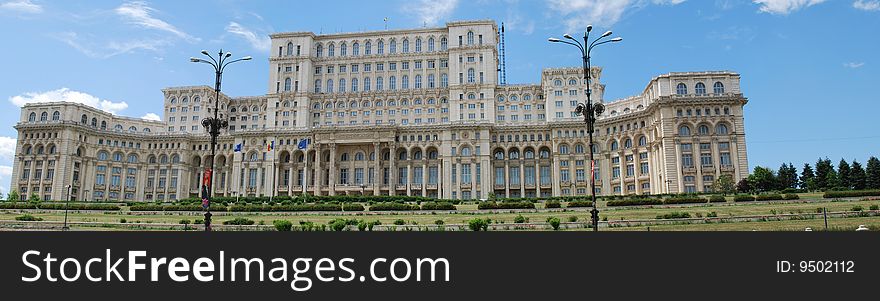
[[396, 112]]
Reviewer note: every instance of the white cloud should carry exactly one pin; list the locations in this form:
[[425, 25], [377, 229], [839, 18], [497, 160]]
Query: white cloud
[[784, 7], [139, 13], [258, 42], [872, 5], [430, 12], [853, 65], [151, 116], [111, 48], [22, 6], [65, 94], [5, 179], [577, 14], [7, 148]]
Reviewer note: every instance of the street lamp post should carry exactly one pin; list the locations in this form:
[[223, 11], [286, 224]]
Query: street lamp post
[[66, 205], [214, 124], [589, 110]]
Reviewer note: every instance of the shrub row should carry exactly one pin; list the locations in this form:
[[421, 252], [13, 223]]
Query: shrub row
[[438, 206], [768, 197], [672, 215], [285, 200], [393, 206], [296, 207], [634, 202], [576, 204], [851, 193], [684, 200], [744, 198], [506, 205], [552, 204], [57, 206], [717, 199]]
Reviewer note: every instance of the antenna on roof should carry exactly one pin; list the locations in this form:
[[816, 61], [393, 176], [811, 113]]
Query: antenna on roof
[[386, 22], [503, 68]]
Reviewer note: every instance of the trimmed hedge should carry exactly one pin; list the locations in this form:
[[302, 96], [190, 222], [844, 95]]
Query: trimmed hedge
[[552, 204], [850, 193], [791, 196], [684, 200], [506, 205], [743, 198], [717, 199], [57, 206], [393, 206], [438, 206], [154, 207], [768, 197], [296, 207], [577, 204], [634, 202], [673, 215]]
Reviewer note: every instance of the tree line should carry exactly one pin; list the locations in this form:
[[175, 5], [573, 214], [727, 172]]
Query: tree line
[[846, 176]]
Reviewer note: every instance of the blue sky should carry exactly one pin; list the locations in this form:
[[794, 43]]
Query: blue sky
[[809, 67]]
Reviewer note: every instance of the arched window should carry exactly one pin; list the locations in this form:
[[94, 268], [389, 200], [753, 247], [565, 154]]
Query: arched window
[[681, 89], [117, 157], [392, 46], [579, 148], [614, 145], [132, 158], [330, 86], [404, 82], [417, 155], [684, 130], [331, 50], [359, 156], [557, 83], [368, 48], [102, 155], [703, 130], [343, 157], [513, 155], [287, 84], [529, 154], [418, 82], [84, 119], [355, 49], [465, 151], [379, 84], [341, 85], [572, 82], [317, 86], [431, 81], [132, 129], [405, 46], [563, 149], [103, 125], [444, 80], [146, 130], [354, 85], [401, 156], [380, 47], [643, 141], [32, 117], [392, 83], [719, 88], [44, 116], [721, 129], [254, 157], [118, 127], [94, 122], [319, 51], [499, 155], [432, 154], [343, 49], [175, 158], [470, 75], [700, 89], [470, 38], [366, 84], [444, 44], [431, 44], [289, 48], [56, 116], [545, 154], [418, 44]]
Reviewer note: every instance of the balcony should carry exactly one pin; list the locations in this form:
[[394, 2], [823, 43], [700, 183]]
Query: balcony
[[465, 185], [400, 187], [431, 186], [689, 169], [499, 186], [99, 187], [727, 168], [546, 185], [415, 186]]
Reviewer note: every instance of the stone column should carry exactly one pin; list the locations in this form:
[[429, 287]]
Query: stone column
[[377, 167], [506, 179], [537, 179], [392, 170], [332, 173], [522, 180], [424, 177], [318, 174]]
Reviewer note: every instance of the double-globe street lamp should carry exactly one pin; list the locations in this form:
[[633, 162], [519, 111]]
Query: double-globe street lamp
[[214, 124], [589, 110]]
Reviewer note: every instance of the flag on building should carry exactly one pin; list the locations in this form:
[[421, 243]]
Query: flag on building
[[238, 148], [270, 146], [303, 144]]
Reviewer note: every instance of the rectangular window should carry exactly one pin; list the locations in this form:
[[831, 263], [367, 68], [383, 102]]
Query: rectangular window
[[465, 173]]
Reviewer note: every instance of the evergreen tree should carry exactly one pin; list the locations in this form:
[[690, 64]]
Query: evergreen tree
[[857, 176], [823, 168], [843, 174], [787, 176], [807, 180], [872, 174]]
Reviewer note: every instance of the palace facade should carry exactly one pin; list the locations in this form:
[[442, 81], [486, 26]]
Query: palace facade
[[395, 112]]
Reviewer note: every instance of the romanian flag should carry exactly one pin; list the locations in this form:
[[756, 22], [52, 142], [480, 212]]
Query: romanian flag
[[270, 146]]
